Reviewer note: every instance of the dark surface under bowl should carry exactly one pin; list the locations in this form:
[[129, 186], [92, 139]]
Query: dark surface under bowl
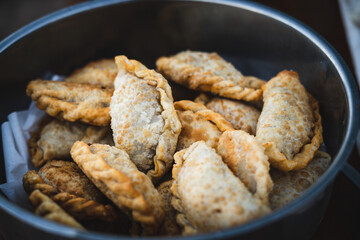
[[257, 40]]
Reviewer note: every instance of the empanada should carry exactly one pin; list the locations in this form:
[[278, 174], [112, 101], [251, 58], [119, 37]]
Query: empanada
[[48, 209], [208, 72], [101, 72], [240, 115], [72, 101], [143, 118], [290, 185], [247, 159], [208, 196], [289, 126], [55, 139], [112, 171], [199, 123], [169, 227]]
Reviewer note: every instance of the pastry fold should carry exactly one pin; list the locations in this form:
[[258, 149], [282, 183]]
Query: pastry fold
[[72, 101], [143, 118], [289, 126], [112, 171], [207, 195], [209, 72]]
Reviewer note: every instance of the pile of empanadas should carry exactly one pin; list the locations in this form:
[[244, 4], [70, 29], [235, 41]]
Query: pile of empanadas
[[117, 154]]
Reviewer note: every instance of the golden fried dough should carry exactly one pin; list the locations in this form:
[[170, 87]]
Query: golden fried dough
[[72, 101], [112, 171], [207, 195], [209, 72], [247, 159], [48, 209], [55, 139], [101, 72], [143, 118], [289, 125], [290, 185], [169, 227], [199, 123], [67, 177]]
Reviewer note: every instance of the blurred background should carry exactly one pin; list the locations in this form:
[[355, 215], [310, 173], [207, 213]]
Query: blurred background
[[341, 220]]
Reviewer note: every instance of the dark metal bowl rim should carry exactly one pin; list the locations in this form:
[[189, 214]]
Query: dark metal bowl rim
[[338, 161]]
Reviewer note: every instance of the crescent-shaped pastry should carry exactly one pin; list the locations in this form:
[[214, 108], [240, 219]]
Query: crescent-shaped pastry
[[289, 125], [290, 185], [55, 139], [143, 118], [247, 159], [112, 171], [72, 101], [199, 124], [207, 195], [240, 115], [209, 72], [101, 72], [48, 209], [169, 227]]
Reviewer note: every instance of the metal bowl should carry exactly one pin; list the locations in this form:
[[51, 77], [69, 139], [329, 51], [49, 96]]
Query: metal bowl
[[258, 40]]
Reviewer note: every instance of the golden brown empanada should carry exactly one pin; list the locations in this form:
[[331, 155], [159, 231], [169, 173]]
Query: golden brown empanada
[[143, 118], [240, 115], [289, 126], [101, 72], [112, 171], [290, 185], [199, 123], [247, 159], [55, 139], [72, 101], [48, 209], [65, 184], [169, 227], [208, 72], [208, 196]]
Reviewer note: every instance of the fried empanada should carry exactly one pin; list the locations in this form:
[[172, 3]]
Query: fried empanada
[[290, 185], [199, 123], [209, 72], [101, 72], [247, 159], [289, 126], [72, 101], [48, 209], [112, 171], [240, 115], [208, 196], [65, 184], [169, 227], [55, 139], [143, 118]]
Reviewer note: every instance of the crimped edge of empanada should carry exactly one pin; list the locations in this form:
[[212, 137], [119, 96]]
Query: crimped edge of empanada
[[165, 149], [197, 79], [199, 109], [113, 183], [307, 152]]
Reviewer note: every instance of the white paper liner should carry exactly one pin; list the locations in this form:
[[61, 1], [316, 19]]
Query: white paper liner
[[16, 133]]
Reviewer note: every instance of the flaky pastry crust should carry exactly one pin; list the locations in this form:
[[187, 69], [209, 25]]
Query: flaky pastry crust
[[247, 160], [143, 118], [199, 123], [209, 72], [289, 125], [290, 185], [72, 101], [101, 72], [48, 209], [112, 171], [207, 195]]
